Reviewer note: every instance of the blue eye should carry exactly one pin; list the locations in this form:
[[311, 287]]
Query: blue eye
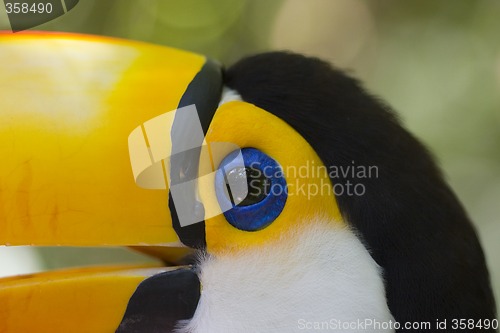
[[251, 189]]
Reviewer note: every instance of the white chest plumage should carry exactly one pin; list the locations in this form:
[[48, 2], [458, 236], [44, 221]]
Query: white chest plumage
[[320, 279]]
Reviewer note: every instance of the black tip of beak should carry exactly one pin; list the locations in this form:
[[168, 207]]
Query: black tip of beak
[[161, 301]]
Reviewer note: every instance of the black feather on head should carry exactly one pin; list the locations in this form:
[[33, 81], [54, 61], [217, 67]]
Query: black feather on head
[[408, 217]]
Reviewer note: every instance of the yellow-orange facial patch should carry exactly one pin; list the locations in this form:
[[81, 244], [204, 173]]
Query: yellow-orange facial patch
[[310, 193]]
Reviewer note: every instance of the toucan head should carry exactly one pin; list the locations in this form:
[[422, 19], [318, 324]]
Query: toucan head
[[110, 142], [106, 142]]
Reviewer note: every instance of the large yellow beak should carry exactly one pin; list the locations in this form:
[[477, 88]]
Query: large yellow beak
[[68, 105], [86, 136]]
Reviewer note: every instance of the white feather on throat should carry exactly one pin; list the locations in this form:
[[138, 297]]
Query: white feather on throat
[[320, 276]]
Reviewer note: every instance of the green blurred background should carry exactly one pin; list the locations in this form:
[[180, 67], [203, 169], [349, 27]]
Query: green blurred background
[[436, 62]]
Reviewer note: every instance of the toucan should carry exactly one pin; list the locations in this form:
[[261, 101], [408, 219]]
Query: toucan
[[280, 195]]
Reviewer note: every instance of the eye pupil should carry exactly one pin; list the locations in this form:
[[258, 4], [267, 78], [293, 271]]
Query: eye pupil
[[257, 183]]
